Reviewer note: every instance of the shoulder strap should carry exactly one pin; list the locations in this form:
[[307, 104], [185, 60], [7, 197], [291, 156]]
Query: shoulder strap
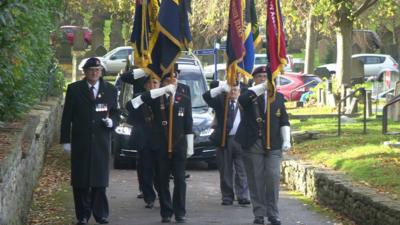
[[259, 119]]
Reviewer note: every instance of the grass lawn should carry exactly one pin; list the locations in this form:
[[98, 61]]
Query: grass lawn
[[363, 157]]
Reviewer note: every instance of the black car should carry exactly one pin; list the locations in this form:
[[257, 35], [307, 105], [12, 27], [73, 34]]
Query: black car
[[192, 75]]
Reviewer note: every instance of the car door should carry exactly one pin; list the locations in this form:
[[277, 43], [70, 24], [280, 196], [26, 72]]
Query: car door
[[117, 61], [372, 65]]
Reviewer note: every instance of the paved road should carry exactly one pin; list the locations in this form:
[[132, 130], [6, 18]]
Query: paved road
[[203, 203]]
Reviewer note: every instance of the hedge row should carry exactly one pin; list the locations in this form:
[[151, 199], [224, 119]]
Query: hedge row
[[28, 71]]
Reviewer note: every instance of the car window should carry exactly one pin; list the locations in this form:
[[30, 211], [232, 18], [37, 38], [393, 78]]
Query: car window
[[313, 81], [260, 60], [373, 60], [283, 81], [197, 87], [122, 54]]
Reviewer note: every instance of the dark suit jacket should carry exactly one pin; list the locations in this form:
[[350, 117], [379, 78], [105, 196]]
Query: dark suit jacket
[[247, 132], [90, 139], [182, 119], [217, 103], [142, 120]]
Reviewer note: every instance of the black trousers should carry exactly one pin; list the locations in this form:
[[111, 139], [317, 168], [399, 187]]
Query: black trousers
[[90, 200], [139, 169], [150, 173], [176, 167]]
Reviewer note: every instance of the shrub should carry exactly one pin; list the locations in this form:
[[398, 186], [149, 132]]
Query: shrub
[[26, 57]]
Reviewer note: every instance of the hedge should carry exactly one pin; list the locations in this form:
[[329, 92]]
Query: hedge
[[28, 71]]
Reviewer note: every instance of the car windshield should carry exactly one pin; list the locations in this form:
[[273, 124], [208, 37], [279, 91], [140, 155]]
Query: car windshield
[[197, 86], [312, 80], [110, 53]]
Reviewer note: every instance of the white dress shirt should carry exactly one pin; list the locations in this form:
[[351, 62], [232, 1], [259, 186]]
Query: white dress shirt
[[95, 88], [236, 121]]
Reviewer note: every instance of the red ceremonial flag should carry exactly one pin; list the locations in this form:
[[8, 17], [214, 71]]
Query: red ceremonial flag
[[276, 44]]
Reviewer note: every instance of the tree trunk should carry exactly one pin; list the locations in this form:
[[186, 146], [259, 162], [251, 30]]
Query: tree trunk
[[97, 25], [310, 44], [116, 39], [344, 51]]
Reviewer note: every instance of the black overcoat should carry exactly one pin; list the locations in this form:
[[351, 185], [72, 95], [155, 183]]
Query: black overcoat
[[90, 139]]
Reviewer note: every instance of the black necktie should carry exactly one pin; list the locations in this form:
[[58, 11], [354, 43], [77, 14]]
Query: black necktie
[[92, 96], [231, 115]]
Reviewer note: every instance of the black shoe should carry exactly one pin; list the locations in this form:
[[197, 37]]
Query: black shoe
[[103, 221], [180, 219], [244, 201], [187, 176], [274, 221], [258, 220], [149, 205], [140, 195], [166, 219], [226, 202], [82, 221]]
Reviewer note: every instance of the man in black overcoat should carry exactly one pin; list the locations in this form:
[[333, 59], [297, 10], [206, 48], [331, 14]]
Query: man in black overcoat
[[90, 114]]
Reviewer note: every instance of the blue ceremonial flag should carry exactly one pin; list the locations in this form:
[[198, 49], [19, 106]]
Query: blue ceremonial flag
[[173, 35], [143, 28], [252, 39]]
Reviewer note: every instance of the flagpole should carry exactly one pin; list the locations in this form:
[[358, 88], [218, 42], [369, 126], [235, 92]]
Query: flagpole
[[223, 140], [171, 120]]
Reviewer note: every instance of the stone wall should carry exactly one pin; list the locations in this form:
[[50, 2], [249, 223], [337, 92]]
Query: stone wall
[[22, 150], [335, 190]]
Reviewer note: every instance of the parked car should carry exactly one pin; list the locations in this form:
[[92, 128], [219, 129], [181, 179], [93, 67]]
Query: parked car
[[375, 65], [292, 85], [261, 60], [67, 33], [114, 61], [210, 70], [191, 75]]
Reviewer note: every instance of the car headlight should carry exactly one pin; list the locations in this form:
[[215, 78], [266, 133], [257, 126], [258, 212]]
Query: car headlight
[[206, 132], [123, 129]]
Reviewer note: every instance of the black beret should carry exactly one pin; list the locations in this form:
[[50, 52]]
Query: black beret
[[260, 69], [92, 62]]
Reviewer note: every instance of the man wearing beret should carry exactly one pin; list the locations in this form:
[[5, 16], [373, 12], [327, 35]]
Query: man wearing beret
[[90, 115], [182, 141], [262, 163]]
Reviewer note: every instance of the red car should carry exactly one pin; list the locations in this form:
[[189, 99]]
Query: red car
[[68, 34], [292, 85]]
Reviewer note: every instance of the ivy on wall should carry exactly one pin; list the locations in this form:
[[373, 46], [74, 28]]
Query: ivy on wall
[[27, 67]]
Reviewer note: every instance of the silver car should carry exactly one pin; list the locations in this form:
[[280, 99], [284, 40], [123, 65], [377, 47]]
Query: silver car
[[114, 61], [375, 65]]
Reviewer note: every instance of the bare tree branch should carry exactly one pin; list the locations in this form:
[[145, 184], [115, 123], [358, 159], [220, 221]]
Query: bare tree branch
[[367, 4]]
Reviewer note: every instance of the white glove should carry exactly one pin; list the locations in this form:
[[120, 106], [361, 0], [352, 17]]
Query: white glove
[[259, 89], [67, 148], [138, 73], [169, 89], [285, 133], [108, 122], [190, 148], [136, 102], [222, 87]]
